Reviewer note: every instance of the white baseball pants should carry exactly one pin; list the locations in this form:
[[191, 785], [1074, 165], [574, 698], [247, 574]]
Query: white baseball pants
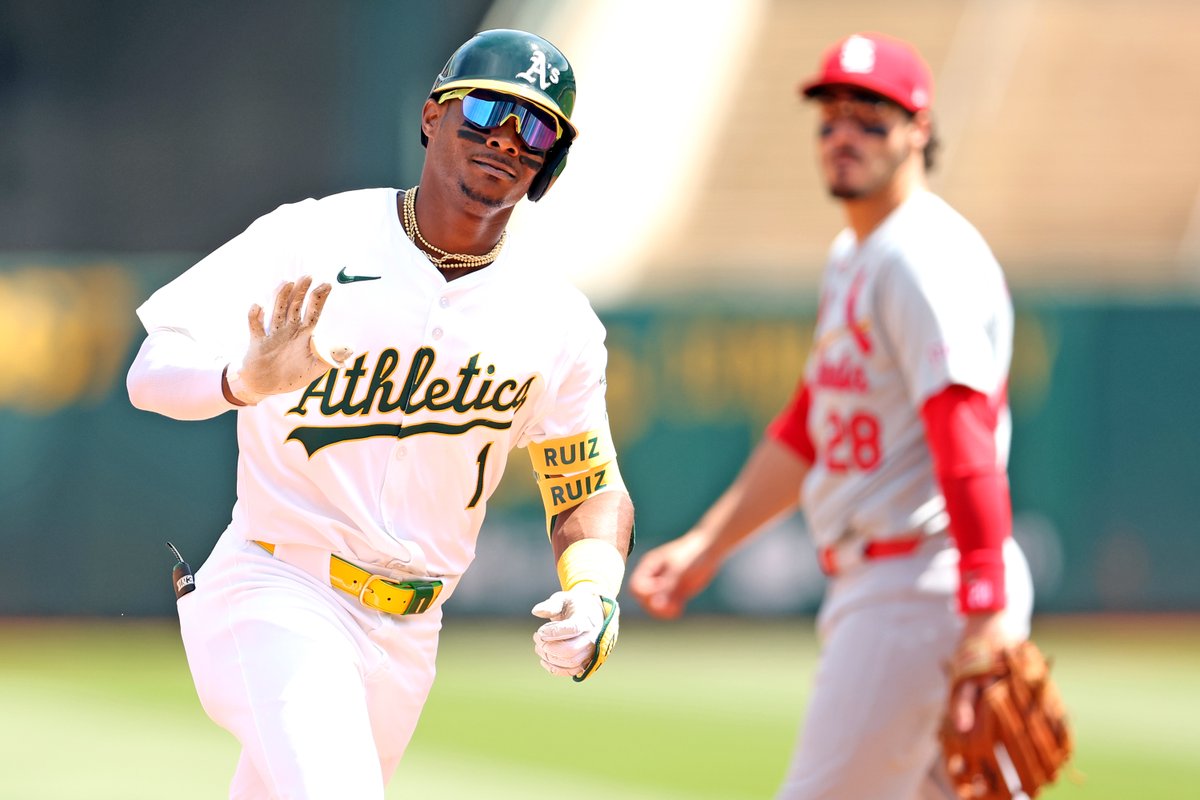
[[887, 629], [322, 693]]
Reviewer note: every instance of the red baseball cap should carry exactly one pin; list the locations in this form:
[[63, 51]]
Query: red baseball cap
[[877, 63]]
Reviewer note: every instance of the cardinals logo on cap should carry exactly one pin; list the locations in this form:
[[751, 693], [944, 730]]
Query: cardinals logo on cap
[[858, 55], [878, 63]]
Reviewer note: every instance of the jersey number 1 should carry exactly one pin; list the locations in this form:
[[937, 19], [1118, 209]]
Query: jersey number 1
[[482, 461]]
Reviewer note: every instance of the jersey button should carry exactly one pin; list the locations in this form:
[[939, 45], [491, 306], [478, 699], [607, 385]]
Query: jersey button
[[437, 333], [444, 302], [401, 452]]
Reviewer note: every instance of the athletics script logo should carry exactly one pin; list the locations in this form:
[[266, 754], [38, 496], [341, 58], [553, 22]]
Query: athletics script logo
[[474, 394], [539, 73]]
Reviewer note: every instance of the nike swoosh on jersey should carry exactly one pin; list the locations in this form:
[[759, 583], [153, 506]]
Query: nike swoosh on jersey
[[344, 278]]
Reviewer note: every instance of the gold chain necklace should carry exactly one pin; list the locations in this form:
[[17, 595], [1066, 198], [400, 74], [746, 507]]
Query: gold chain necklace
[[443, 259]]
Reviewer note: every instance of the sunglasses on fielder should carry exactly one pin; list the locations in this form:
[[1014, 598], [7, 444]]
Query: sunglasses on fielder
[[870, 113], [485, 110]]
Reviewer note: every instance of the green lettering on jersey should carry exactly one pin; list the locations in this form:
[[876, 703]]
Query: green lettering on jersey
[[465, 394]]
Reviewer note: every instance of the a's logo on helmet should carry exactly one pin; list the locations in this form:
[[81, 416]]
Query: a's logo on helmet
[[858, 55], [538, 73]]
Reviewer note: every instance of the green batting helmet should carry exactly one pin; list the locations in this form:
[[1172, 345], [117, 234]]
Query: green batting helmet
[[526, 66]]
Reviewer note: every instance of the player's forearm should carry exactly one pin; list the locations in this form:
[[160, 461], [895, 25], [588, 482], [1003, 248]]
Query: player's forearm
[[173, 376], [591, 542], [607, 516], [767, 487], [960, 430], [980, 520]]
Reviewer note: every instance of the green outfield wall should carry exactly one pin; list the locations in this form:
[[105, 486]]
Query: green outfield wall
[[1104, 468]]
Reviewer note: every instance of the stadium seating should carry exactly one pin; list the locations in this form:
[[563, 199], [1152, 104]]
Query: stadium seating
[[1069, 130]]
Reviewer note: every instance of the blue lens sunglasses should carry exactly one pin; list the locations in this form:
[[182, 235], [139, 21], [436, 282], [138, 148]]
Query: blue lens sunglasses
[[485, 110]]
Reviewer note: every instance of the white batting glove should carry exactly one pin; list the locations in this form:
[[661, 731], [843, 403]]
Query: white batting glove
[[284, 358], [581, 631]]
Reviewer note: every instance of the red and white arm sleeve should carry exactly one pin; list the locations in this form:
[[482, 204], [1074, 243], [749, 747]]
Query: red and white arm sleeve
[[790, 427], [960, 427], [174, 376]]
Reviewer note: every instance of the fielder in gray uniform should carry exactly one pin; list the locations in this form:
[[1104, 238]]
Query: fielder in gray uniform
[[384, 351], [895, 446]]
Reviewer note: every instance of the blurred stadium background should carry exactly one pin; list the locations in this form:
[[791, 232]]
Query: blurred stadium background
[[136, 136]]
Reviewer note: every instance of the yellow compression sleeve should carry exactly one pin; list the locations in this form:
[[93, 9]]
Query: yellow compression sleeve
[[592, 561]]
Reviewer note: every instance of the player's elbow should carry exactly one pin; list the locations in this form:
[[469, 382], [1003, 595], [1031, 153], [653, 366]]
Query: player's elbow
[[143, 383], [142, 396], [138, 387], [178, 392], [145, 394]]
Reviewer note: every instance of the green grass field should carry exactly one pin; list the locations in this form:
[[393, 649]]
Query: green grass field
[[104, 709]]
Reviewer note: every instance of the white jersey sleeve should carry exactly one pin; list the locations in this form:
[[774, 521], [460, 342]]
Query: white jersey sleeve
[[575, 411], [174, 375], [943, 309], [577, 403], [211, 301]]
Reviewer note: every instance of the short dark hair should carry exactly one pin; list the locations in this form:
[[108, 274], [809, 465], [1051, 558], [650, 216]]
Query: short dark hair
[[931, 147]]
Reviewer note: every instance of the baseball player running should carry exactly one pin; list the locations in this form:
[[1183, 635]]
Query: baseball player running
[[385, 350], [895, 445]]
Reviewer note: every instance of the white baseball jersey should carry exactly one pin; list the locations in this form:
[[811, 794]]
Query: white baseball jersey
[[391, 459], [919, 305]]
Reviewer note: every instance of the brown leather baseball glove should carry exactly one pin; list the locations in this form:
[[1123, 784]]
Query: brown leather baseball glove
[[1021, 737]]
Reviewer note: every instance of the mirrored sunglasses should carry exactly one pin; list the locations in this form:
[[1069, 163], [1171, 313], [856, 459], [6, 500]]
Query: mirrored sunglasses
[[485, 109]]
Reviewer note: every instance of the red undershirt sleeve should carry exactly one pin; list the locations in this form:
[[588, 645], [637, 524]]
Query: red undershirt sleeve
[[790, 426], [960, 427]]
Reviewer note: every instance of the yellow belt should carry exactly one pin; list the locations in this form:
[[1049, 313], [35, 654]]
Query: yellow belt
[[376, 591]]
